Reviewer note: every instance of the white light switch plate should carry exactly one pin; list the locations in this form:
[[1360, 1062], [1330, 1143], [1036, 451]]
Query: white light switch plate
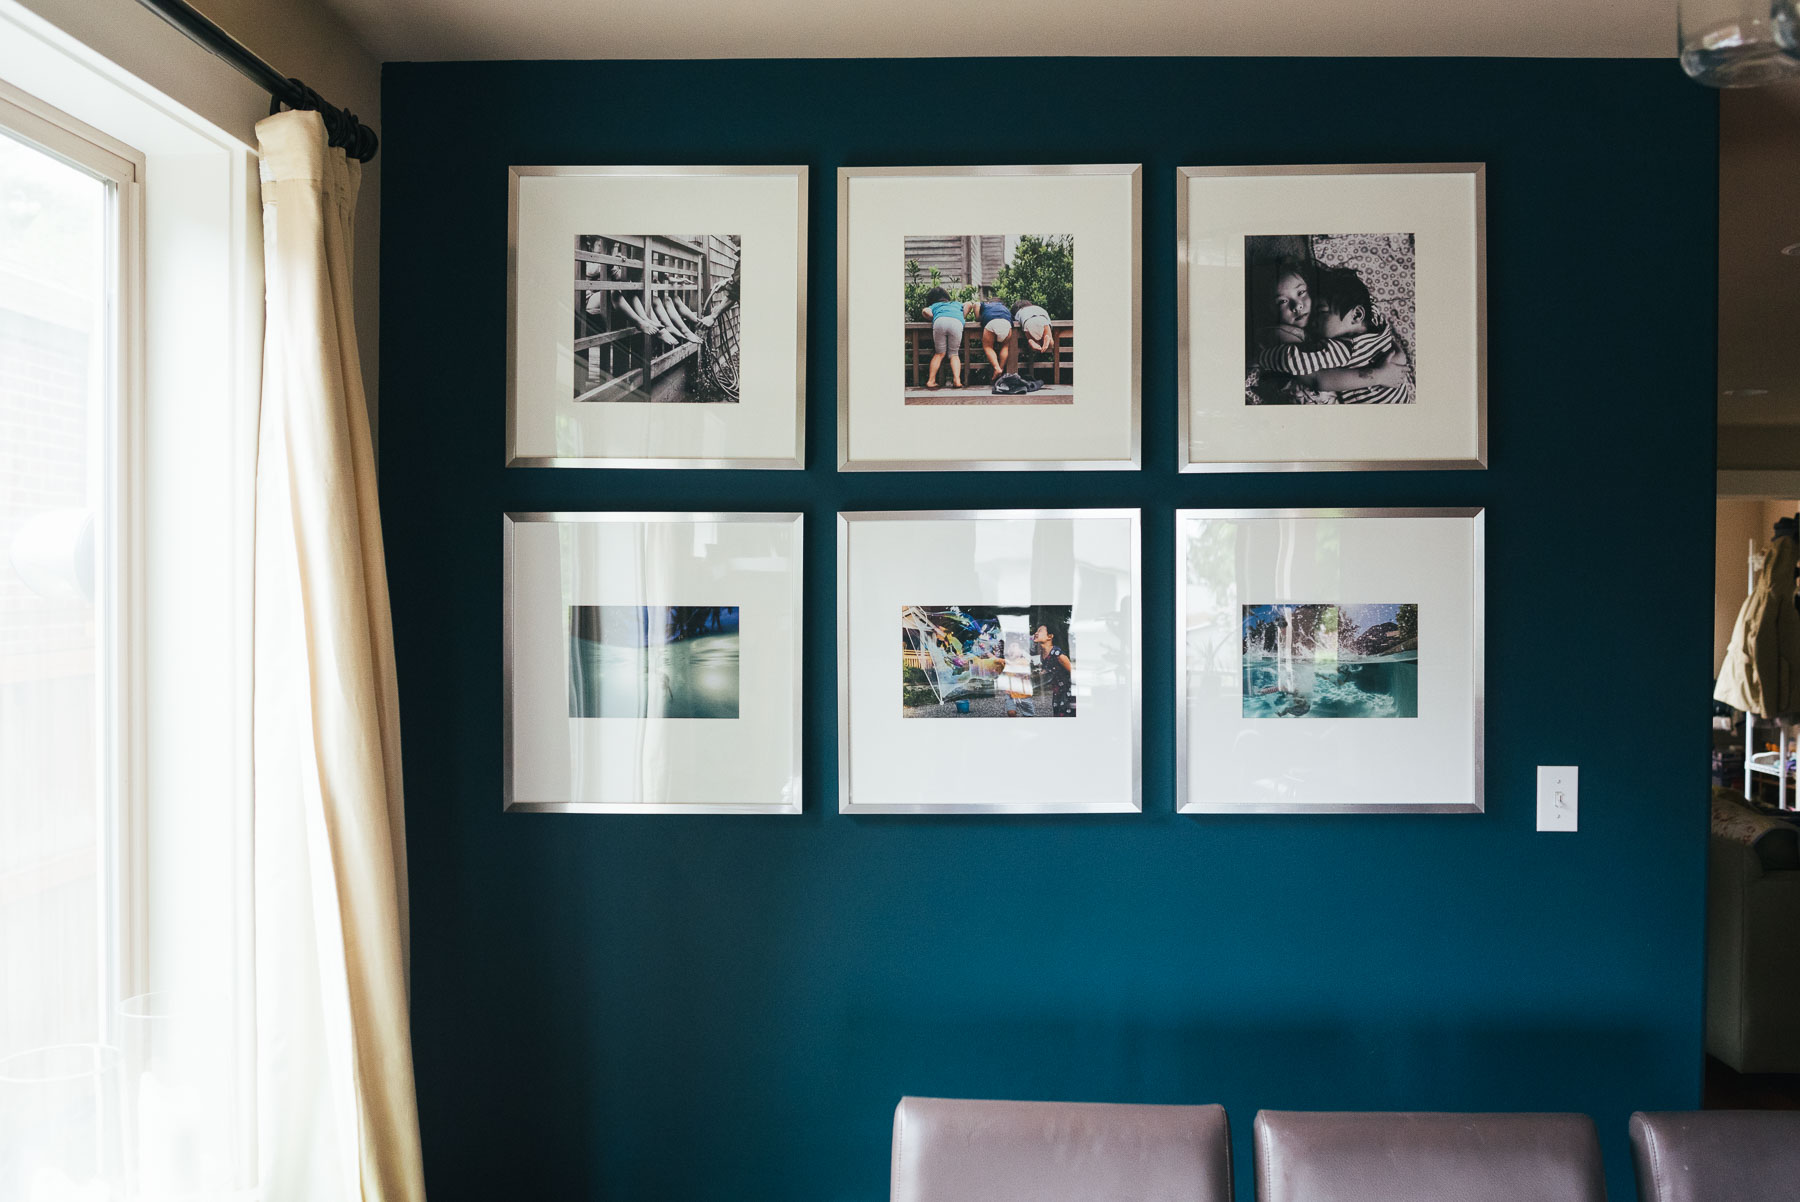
[[1557, 798]]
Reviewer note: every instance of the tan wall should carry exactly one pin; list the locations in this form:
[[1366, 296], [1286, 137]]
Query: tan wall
[[303, 38], [1740, 521], [1767, 448], [1773, 511]]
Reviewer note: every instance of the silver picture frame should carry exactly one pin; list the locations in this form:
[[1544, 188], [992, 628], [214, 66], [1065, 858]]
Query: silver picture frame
[[791, 803], [1131, 802], [1051, 170], [1184, 760], [795, 462], [1276, 462]]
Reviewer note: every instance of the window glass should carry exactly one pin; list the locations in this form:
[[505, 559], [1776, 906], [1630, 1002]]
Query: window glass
[[54, 373]]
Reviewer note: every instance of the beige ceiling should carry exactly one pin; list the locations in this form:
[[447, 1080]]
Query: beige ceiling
[[400, 30]]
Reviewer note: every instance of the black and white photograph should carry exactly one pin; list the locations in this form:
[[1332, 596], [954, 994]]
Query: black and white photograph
[[657, 318], [989, 319], [653, 661], [1329, 319], [1331, 661], [646, 350], [985, 661]]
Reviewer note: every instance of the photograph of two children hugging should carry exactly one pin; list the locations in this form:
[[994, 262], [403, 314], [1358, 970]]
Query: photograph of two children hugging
[[1329, 319]]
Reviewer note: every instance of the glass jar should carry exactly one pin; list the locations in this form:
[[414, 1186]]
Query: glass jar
[[1735, 43]]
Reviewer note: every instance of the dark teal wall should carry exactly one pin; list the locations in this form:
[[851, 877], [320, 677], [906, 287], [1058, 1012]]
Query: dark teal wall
[[728, 1008]]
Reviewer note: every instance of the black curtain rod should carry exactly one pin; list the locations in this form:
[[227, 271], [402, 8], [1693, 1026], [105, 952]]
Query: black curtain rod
[[357, 139]]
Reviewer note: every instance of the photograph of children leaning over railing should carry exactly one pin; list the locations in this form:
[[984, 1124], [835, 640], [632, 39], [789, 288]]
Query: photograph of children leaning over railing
[[989, 319]]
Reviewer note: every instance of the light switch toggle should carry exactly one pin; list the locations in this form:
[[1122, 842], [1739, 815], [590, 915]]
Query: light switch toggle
[[1557, 796]]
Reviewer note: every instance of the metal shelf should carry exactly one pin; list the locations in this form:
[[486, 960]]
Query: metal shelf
[[1771, 763], [1765, 763]]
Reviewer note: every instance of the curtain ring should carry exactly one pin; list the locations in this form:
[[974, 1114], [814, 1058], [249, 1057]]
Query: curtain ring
[[343, 130], [348, 138]]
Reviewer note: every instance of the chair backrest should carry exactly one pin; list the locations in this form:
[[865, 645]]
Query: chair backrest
[[1327, 1157], [951, 1150], [1703, 1155]]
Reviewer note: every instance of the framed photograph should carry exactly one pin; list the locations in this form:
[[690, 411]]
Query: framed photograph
[[656, 317], [988, 317], [1332, 318], [952, 624], [1330, 660], [652, 662]]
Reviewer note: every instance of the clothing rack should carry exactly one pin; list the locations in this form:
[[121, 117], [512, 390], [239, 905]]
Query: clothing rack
[[356, 139]]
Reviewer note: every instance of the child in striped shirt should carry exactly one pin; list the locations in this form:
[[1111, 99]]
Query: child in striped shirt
[[1358, 357]]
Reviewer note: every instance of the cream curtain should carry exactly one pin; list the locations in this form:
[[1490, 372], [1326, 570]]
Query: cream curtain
[[337, 1116]]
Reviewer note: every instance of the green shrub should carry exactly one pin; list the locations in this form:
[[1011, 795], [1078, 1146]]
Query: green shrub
[[1042, 272], [918, 284]]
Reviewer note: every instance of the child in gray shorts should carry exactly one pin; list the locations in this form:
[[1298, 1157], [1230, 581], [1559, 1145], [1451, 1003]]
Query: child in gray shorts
[[946, 318]]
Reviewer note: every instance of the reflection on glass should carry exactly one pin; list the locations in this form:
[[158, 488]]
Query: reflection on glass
[[61, 1135], [1331, 661], [52, 385], [653, 661], [1786, 15], [985, 661], [1736, 43], [176, 1087]]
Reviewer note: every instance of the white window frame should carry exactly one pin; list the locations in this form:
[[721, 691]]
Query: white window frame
[[192, 360], [119, 568]]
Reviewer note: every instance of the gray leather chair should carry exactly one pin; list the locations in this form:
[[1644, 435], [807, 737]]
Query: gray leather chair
[[1752, 925], [949, 1150], [1717, 1155], [1325, 1157]]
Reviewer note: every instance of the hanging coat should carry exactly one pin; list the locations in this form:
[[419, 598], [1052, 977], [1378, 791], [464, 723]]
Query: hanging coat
[[1761, 672]]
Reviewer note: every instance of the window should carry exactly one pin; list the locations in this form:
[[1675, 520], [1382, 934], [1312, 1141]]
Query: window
[[130, 322], [61, 803], [56, 402]]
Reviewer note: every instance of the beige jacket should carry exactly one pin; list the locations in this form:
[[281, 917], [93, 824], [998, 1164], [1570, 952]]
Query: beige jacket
[[1761, 672]]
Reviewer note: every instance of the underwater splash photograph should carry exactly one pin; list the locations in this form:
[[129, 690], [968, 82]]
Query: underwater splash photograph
[[1331, 661]]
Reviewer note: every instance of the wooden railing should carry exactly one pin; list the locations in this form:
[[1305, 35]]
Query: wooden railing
[[920, 349], [690, 273]]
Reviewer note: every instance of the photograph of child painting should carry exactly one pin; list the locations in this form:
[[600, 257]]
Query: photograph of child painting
[[1331, 661], [989, 319], [1329, 319], [984, 661]]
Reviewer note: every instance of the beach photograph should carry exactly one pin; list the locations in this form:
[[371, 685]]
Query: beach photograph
[[653, 661], [984, 661], [989, 319], [1331, 661]]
